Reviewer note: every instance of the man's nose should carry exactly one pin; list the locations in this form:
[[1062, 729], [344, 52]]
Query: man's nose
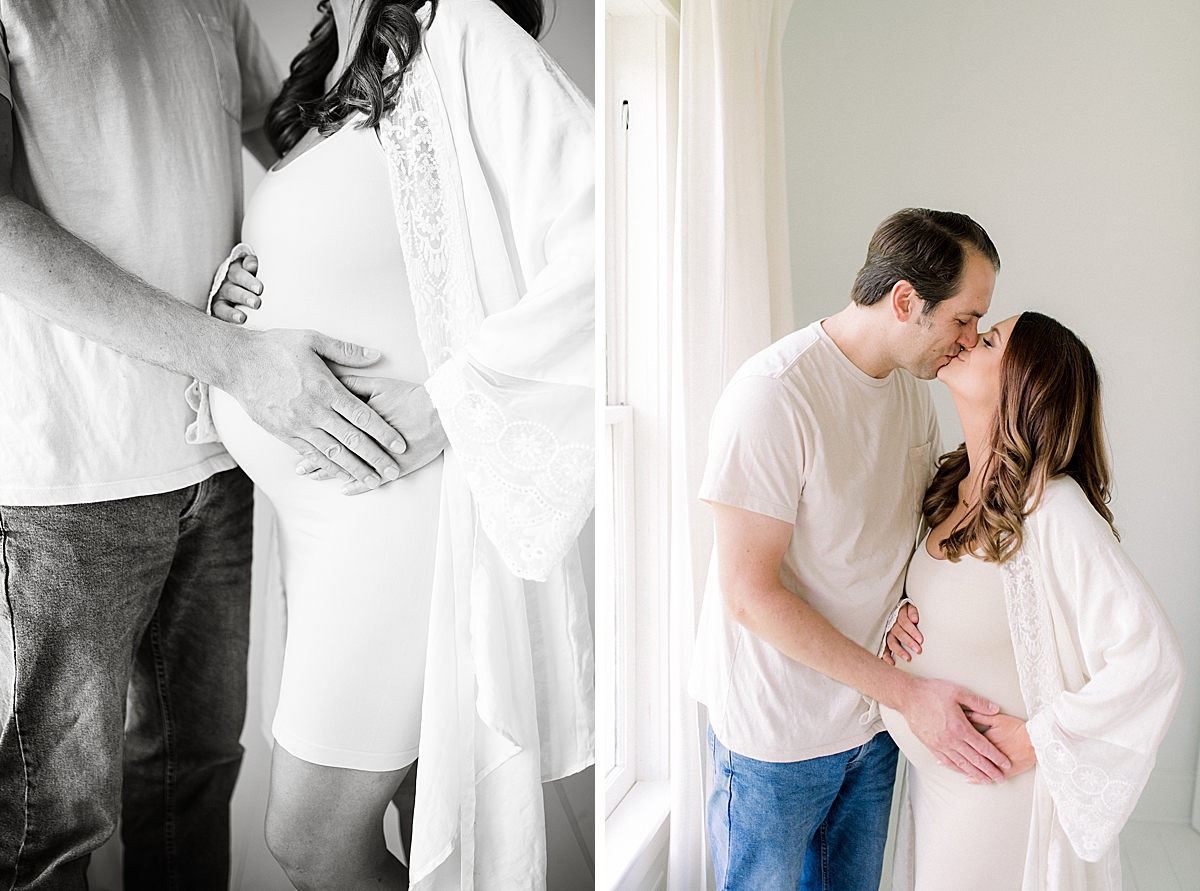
[[969, 337]]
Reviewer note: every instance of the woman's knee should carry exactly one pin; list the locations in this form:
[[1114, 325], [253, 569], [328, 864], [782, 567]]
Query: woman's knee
[[301, 851]]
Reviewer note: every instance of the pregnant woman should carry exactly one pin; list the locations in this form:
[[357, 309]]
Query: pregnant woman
[[1025, 596], [434, 200]]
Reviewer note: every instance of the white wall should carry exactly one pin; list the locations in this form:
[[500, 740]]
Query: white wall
[[1071, 132]]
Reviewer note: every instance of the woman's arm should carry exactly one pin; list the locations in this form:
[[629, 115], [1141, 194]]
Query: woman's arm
[[1118, 660], [516, 399]]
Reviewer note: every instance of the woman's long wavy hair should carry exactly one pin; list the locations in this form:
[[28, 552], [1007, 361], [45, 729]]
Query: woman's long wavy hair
[[1048, 422], [304, 104]]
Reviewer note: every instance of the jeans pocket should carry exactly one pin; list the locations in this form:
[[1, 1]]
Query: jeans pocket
[[223, 46]]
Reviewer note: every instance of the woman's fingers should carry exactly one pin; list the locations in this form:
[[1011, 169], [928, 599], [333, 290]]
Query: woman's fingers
[[239, 277], [227, 312], [316, 466], [906, 622], [337, 452], [900, 643], [240, 289]]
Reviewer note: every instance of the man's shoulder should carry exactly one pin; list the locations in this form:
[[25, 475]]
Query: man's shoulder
[[784, 357]]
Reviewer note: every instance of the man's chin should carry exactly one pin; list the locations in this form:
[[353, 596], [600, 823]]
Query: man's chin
[[929, 372]]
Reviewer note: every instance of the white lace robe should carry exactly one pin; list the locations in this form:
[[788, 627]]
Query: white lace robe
[[491, 157], [1101, 672], [492, 165]]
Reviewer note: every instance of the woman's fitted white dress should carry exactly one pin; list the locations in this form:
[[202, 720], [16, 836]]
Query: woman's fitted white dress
[[965, 835], [358, 571]]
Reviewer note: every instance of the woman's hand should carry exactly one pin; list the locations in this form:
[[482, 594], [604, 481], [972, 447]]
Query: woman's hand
[[1008, 734], [903, 636], [240, 289], [404, 405]]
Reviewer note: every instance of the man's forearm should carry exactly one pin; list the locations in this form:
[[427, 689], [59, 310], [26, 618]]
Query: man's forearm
[[58, 276], [798, 631]]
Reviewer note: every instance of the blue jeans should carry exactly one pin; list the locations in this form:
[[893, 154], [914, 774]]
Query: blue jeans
[[815, 825], [124, 627]]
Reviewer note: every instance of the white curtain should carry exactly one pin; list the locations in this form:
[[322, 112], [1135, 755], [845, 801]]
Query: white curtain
[[732, 297]]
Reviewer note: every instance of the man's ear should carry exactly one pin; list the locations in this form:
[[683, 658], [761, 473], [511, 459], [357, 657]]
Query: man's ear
[[904, 301]]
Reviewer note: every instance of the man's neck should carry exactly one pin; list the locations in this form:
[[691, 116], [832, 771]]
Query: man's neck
[[860, 333]]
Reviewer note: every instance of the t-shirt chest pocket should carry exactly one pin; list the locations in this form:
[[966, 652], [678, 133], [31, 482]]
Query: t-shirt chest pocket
[[223, 46], [918, 474]]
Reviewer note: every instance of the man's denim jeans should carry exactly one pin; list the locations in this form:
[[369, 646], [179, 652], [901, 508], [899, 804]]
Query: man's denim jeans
[[141, 602], [816, 825]]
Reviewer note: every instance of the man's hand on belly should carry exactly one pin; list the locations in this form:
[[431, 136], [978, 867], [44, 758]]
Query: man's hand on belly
[[280, 377], [935, 709], [404, 405]]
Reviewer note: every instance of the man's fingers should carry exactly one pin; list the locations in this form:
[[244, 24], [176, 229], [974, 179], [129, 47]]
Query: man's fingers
[[959, 764], [985, 755], [888, 658], [981, 719], [361, 386], [337, 453], [249, 263], [976, 703], [366, 448], [367, 420], [344, 353]]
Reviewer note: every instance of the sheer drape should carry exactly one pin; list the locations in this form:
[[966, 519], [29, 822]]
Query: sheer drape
[[732, 297]]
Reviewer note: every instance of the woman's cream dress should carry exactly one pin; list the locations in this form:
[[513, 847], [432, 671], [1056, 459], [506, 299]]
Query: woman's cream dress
[[962, 828]]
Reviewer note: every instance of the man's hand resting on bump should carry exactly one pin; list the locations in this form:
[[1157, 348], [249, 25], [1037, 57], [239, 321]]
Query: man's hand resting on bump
[[280, 377], [956, 743], [404, 405]]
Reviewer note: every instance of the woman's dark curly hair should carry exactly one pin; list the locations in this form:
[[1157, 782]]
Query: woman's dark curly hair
[[388, 25], [1048, 422]]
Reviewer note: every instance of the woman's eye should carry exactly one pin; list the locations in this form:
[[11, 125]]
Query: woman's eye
[[985, 341]]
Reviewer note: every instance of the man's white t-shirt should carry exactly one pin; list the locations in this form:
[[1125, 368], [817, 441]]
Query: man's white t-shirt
[[803, 435], [128, 118]]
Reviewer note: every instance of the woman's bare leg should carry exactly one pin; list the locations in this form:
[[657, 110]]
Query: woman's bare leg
[[405, 800], [325, 825]]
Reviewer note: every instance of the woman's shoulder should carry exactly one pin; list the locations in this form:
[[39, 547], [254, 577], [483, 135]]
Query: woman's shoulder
[[478, 19], [1064, 507]]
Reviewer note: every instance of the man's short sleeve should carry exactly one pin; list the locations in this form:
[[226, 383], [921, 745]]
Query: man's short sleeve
[[756, 449], [5, 85], [261, 79]]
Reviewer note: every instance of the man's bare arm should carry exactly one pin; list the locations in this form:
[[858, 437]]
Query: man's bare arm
[[750, 549], [278, 376]]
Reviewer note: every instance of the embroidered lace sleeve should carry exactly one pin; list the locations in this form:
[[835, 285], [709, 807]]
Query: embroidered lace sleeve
[[528, 456], [1100, 668], [513, 385]]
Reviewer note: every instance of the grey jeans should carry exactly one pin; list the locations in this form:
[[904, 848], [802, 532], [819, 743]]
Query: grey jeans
[[124, 627]]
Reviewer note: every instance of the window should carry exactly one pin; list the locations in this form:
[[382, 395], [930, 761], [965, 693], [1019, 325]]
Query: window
[[639, 105]]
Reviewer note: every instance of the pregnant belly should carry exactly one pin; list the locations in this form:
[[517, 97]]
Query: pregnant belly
[[269, 462]]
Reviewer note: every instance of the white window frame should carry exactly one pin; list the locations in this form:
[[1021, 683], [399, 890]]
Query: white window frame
[[639, 111]]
